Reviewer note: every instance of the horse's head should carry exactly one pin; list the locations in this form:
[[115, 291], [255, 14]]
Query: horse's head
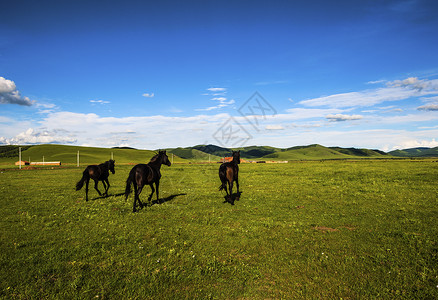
[[164, 159], [236, 156], [111, 164]]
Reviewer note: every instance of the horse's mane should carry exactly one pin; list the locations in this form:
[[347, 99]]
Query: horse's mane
[[154, 158]]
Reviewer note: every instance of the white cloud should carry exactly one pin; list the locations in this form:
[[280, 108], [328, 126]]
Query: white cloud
[[4, 119], [341, 117], [223, 101], [308, 113], [307, 126], [222, 104], [10, 95], [216, 89], [363, 98], [274, 127], [6, 86], [150, 132], [395, 90], [413, 143], [149, 95], [220, 99], [405, 119], [428, 107], [31, 136], [415, 83], [376, 81], [430, 99], [99, 101]]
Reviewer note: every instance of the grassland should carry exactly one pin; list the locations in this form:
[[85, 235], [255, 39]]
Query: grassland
[[306, 230]]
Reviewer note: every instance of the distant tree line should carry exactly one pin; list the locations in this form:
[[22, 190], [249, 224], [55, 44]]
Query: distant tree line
[[11, 150]]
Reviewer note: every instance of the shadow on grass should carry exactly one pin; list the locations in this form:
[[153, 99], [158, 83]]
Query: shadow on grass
[[167, 199], [109, 195], [232, 198], [160, 201]]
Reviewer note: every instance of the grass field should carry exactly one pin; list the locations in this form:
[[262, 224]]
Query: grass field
[[306, 230]]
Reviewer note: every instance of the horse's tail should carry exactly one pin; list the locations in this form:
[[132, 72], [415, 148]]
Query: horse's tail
[[129, 181], [80, 183], [222, 176]]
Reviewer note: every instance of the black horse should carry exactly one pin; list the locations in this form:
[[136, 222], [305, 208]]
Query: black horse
[[143, 174], [229, 172], [97, 173]]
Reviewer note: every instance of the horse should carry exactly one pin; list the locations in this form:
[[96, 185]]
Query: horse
[[143, 174], [229, 172], [97, 173]]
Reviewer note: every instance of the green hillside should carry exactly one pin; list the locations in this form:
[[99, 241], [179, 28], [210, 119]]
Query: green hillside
[[320, 152], [416, 152], [359, 152], [213, 149], [87, 155], [257, 151], [194, 155], [306, 152], [199, 153]]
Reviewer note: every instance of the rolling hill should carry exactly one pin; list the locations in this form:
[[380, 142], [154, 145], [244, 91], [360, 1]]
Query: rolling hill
[[68, 154], [193, 154], [416, 152], [271, 153], [198, 153], [320, 152]]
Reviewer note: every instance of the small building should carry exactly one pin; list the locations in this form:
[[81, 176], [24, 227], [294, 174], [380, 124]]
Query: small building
[[228, 159], [23, 163], [46, 163]]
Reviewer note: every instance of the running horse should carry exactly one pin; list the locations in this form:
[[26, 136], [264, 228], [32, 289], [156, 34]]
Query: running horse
[[97, 173], [143, 174], [228, 173]]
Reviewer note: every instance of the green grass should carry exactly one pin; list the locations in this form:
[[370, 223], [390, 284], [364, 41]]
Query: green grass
[[331, 230]]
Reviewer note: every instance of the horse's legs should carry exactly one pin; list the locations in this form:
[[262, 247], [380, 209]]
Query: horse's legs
[[86, 188], [157, 183], [224, 184], [153, 190], [106, 187], [135, 196], [140, 188], [95, 186], [231, 188], [237, 185]]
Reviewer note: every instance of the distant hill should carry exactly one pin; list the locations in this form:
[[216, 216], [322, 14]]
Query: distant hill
[[416, 152], [192, 154], [320, 152], [11, 151], [87, 155], [199, 153], [271, 153], [213, 149], [359, 152]]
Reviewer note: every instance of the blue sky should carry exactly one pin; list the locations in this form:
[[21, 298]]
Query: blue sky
[[179, 73]]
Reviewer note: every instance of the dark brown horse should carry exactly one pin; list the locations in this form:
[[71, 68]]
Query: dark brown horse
[[97, 173], [143, 174], [229, 172]]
